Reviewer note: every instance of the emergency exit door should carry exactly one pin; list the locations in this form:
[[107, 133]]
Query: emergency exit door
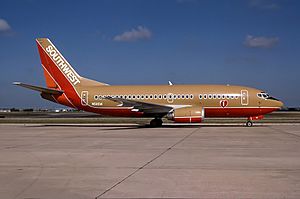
[[244, 97]]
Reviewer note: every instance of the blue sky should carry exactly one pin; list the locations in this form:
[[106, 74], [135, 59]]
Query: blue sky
[[254, 43]]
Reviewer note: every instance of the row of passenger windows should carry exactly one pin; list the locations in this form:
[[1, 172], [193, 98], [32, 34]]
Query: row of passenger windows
[[170, 96], [218, 96], [150, 96]]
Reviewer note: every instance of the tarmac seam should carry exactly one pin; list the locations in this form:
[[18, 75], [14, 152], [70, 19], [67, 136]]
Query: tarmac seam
[[146, 164], [35, 179], [284, 132]]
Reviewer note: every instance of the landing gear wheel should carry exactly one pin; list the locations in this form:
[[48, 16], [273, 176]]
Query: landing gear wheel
[[156, 123], [249, 123]]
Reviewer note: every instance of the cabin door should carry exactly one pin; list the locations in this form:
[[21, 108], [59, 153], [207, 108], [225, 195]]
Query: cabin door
[[244, 97], [84, 98]]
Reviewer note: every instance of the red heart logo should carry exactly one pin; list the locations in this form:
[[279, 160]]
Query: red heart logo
[[223, 103]]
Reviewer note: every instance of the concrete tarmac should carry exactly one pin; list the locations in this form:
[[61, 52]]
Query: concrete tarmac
[[85, 162]]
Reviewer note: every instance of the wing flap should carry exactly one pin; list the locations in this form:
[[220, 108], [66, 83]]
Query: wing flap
[[40, 89], [142, 106]]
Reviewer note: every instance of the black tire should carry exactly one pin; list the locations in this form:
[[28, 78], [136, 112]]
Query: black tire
[[249, 123], [159, 121], [156, 123]]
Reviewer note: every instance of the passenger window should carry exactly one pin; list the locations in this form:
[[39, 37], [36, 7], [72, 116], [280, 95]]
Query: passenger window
[[165, 96], [159, 96], [191, 96], [95, 97], [182, 96], [223, 96], [146, 96], [178, 96], [174, 96], [209, 96], [205, 96], [133, 97], [187, 96], [214, 96], [155, 96], [227, 96], [219, 96], [150, 96], [200, 96]]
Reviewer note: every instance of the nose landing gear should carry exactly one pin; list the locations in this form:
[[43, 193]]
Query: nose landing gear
[[157, 122], [249, 123]]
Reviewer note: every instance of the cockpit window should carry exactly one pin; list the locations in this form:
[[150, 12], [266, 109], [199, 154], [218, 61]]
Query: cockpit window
[[265, 95]]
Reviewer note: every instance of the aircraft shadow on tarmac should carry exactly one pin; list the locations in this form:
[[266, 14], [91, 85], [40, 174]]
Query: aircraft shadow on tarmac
[[173, 126], [141, 126]]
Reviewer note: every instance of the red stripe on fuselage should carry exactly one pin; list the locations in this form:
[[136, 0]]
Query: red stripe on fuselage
[[237, 112]]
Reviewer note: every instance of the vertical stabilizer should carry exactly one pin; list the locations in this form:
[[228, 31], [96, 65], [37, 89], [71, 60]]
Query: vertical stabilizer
[[59, 74]]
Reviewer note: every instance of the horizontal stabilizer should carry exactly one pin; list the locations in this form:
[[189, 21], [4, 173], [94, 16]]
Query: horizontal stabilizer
[[40, 89]]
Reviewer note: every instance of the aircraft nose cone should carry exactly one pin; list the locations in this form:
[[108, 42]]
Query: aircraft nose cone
[[279, 103]]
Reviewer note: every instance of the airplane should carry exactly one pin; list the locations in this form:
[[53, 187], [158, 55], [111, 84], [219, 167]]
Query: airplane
[[179, 103]]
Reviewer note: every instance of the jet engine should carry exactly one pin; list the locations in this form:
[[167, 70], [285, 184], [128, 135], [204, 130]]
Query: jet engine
[[187, 115]]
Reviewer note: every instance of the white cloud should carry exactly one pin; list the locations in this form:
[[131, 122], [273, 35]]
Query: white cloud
[[4, 26], [135, 34], [260, 42]]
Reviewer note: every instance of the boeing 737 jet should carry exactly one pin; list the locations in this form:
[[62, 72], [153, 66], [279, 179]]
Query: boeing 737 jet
[[180, 103]]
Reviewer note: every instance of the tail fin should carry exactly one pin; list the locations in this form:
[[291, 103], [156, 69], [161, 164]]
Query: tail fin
[[59, 74]]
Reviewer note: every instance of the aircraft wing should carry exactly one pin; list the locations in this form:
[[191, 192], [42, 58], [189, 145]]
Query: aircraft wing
[[147, 108], [40, 89]]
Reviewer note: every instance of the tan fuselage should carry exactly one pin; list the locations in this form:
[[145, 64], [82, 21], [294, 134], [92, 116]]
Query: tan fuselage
[[182, 103], [210, 97]]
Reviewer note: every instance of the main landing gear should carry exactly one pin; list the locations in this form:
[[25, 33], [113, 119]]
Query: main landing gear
[[157, 122], [249, 123]]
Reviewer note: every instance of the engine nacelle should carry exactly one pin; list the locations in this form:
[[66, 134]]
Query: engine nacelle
[[187, 115]]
